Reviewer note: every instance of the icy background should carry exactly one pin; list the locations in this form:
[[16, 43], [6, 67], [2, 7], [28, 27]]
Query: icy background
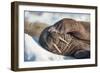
[[52, 17], [34, 52]]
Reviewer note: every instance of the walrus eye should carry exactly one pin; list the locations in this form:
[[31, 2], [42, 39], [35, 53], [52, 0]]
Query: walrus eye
[[73, 33]]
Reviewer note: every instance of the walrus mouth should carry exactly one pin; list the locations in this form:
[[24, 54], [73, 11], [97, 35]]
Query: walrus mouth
[[61, 40]]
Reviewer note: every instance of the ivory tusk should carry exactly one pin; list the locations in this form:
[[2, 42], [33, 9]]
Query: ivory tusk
[[63, 40], [57, 48]]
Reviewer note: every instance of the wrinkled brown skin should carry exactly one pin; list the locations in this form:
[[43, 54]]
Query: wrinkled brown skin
[[79, 32]]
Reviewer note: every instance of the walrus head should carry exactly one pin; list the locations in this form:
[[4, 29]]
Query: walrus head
[[67, 37]]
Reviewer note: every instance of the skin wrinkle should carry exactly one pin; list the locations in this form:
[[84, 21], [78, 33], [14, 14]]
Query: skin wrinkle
[[67, 46], [71, 48]]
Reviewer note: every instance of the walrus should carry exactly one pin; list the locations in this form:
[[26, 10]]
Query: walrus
[[67, 37]]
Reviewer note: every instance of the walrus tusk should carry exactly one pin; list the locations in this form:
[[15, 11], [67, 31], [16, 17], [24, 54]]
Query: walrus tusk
[[57, 48], [63, 40]]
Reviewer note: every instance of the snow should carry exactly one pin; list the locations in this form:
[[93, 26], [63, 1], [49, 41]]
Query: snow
[[34, 52]]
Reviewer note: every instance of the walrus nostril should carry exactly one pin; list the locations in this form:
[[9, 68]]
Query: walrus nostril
[[81, 54]]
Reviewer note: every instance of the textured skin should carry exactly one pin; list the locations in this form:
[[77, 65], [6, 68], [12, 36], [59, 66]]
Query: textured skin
[[67, 37]]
